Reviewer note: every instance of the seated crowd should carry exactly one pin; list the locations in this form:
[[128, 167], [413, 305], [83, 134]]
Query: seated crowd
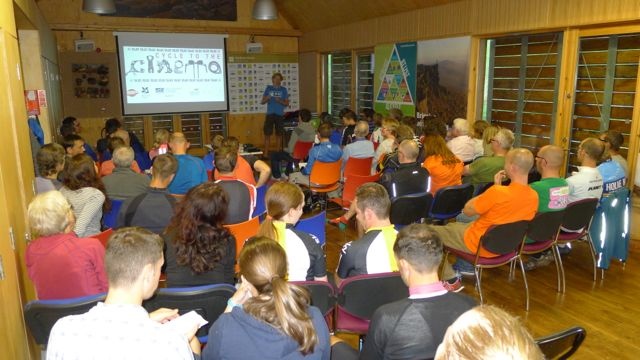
[[174, 222]]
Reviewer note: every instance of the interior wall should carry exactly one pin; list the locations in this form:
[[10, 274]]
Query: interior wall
[[308, 78]]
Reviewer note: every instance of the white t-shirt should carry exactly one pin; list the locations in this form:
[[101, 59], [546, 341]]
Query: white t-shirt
[[585, 183], [463, 147]]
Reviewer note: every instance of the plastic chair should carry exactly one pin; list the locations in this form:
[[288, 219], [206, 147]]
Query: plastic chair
[[261, 207], [351, 186], [357, 166], [407, 209], [314, 225], [301, 150], [103, 237], [506, 241], [209, 301], [449, 201], [243, 231], [563, 344], [359, 297], [41, 315], [543, 231], [323, 296], [325, 177], [110, 219], [575, 226]]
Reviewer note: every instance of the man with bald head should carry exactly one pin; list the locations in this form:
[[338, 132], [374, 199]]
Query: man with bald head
[[191, 171], [498, 205], [411, 177], [587, 181]]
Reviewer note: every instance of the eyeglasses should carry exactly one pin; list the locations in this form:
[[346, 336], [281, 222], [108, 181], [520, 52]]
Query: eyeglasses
[[605, 140], [541, 158]]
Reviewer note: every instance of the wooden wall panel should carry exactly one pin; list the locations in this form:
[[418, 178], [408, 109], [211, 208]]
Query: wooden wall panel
[[307, 75]]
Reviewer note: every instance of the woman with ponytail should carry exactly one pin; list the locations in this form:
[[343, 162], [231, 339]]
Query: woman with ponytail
[[305, 257], [199, 250], [267, 317]]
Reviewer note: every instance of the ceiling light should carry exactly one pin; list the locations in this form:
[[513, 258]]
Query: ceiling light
[[99, 6], [264, 10]]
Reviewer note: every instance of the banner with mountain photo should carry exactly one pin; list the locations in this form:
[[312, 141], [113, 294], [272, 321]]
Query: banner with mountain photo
[[442, 78], [395, 78]]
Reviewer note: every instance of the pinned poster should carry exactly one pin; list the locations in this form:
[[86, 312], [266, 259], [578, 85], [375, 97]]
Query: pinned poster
[[395, 78], [31, 101]]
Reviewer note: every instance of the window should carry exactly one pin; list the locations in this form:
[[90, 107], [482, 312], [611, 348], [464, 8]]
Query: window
[[521, 86], [216, 125], [364, 81], [338, 82], [191, 125]]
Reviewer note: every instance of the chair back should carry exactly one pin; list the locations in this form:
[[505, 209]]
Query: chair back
[[449, 201], [109, 219], [336, 137], [407, 209], [41, 315], [103, 237], [479, 188], [314, 225], [579, 213], [209, 301], [357, 166], [505, 238], [301, 150], [243, 231], [545, 226], [360, 296], [261, 207], [323, 295], [563, 344], [352, 184], [325, 174]]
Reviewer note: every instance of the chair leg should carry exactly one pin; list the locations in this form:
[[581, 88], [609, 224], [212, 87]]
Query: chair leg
[[559, 258], [526, 285], [556, 260], [512, 266], [478, 272], [593, 257]]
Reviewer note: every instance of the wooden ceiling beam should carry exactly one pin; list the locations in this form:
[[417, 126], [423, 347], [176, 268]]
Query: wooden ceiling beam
[[181, 29]]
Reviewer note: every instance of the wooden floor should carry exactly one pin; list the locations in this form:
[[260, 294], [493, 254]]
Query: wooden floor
[[608, 309]]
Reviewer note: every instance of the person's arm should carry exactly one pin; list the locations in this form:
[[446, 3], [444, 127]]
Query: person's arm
[[244, 293], [469, 207], [312, 159], [265, 96], [285, 99], [499, 177], [264, 172], [345, 264]]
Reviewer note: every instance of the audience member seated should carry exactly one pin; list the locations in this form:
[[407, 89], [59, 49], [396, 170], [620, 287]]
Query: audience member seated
[[444, 167], [614, 175], [410, 177], [107, 166], [483, 169], [553, 193], [376, 134], [73, 145], [370, 254], [119, 327], [485, 333], [71, 125], [60, 264], [587, 181], [390, 162], [613, 140], [246, 165], [267, 318], [304, 132], [50, 161], [161, 143], [209, 159], [153, 209], [498, 205], [360, 147], [414, 327], [123, 182], [191, 171], [479, 127], [242, 194], [325, 151], [461, 144], [487, 136], [85, 192], [348, 118], [305, 257], [199, 250], [113, 127], [389, 132]]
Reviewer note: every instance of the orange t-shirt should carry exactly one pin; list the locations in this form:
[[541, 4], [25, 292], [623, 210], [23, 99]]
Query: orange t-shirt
[[500, 205], [243, 171], [442, 175]]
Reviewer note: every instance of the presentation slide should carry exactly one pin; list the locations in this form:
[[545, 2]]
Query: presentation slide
[[172, 73]]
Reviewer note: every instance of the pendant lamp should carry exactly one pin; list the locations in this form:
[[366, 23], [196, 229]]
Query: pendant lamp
[[264, 10], [99, 6]]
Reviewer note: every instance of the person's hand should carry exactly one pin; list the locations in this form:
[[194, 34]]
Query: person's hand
[[244, 293], [499, 177], [163, 315]]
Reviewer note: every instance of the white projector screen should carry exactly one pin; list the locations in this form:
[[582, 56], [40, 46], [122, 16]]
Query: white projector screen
[[164, 73]]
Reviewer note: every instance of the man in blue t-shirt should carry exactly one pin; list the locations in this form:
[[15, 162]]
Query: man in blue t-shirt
[[277, 99], [191, 171]]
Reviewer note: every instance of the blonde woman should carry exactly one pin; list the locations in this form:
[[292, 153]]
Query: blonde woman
[[389, 130], [267, 318], [160, 143], [305, 257]]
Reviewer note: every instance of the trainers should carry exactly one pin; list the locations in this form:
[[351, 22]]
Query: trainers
[[339, 220], [453, 285], [545, 259], [464, 268], [564, 250]]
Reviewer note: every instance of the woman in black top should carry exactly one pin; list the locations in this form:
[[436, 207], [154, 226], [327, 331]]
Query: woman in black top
[[199, 250]]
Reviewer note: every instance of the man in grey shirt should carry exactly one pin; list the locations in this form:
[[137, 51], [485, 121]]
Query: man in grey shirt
[[123, 182]]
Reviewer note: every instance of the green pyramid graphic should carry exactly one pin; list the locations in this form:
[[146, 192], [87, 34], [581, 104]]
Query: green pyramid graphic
[[393, 88]]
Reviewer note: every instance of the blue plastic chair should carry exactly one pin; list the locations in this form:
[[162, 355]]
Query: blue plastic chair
[[41, 315], [111, 218], [261, 207], [336, 137], [314, 225]]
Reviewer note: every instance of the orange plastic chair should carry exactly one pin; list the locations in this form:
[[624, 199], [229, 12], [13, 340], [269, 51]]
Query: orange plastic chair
[[357, 166], [325, 177], [301, 150], [243, 231], [103, 237], [350, 187]]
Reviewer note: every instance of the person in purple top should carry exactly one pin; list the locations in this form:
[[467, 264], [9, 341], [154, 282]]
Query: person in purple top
[[277, 99]]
